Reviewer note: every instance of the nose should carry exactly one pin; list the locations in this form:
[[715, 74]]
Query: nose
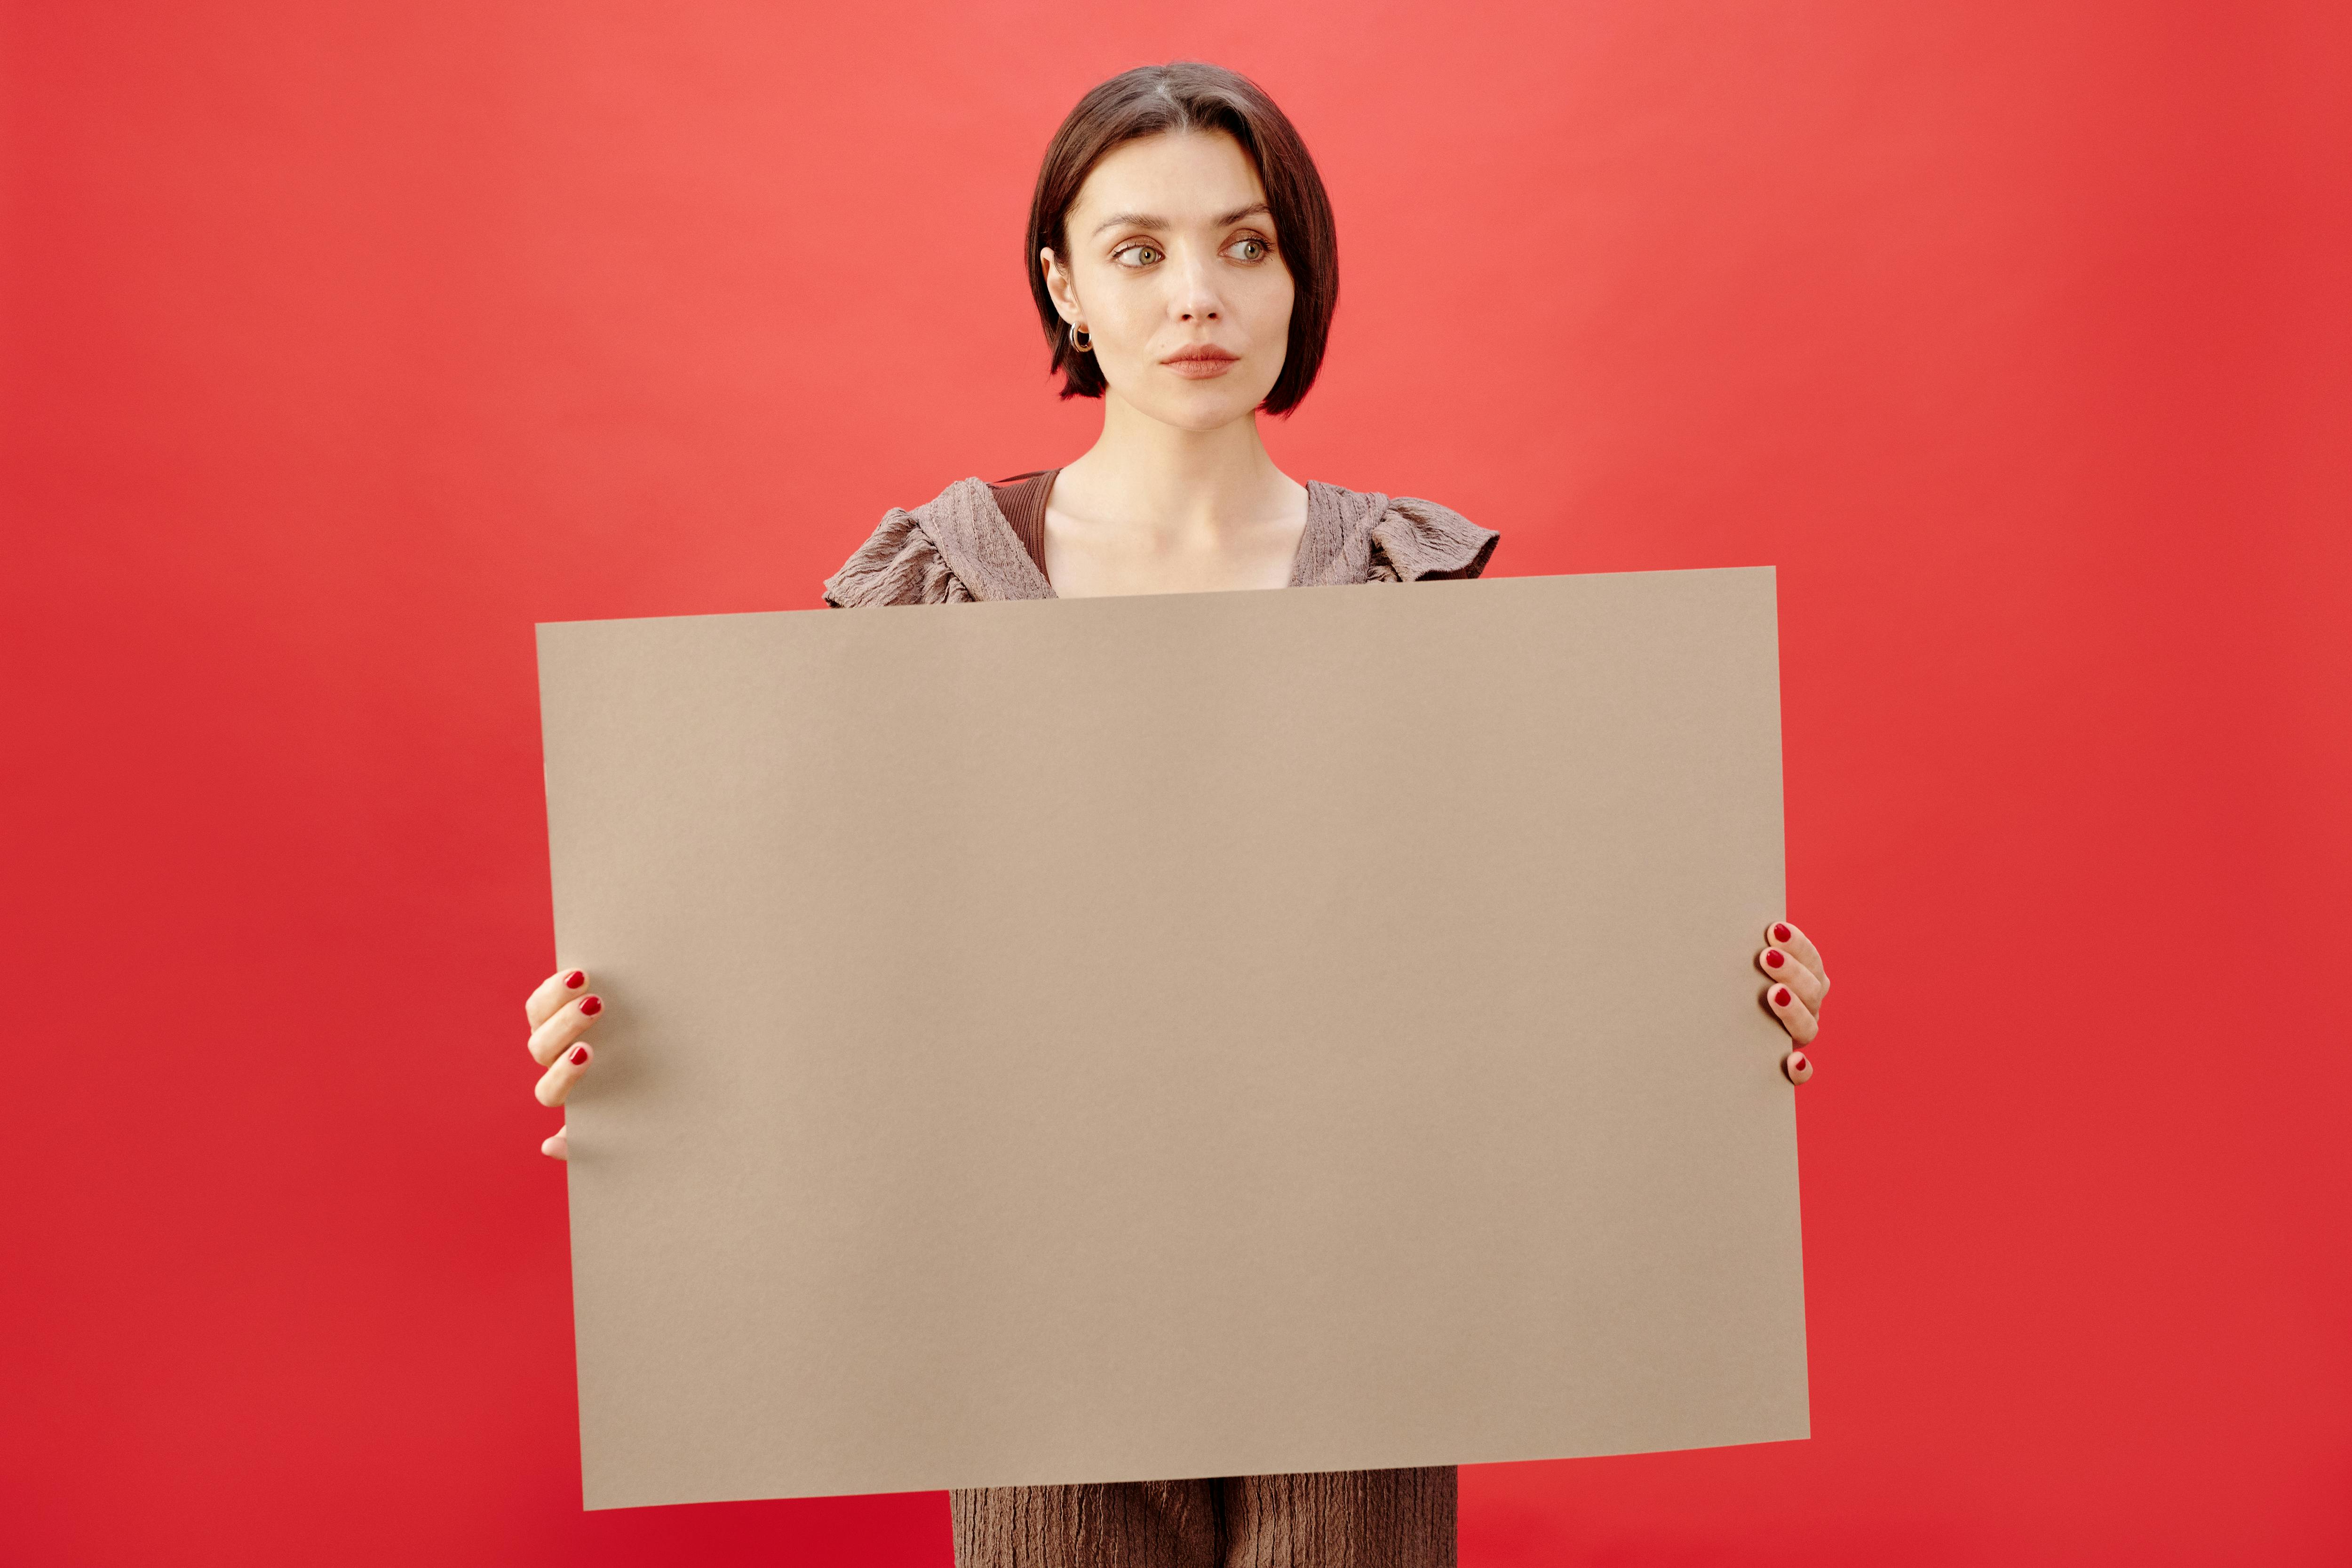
[[1196, 293]]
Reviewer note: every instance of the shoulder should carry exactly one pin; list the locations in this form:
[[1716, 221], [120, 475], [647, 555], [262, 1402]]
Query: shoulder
[[953, 549], [900, 563], [1369, 536]]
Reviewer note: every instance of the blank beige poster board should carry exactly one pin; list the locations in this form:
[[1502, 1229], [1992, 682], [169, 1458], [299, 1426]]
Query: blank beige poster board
[[1187, 1035]]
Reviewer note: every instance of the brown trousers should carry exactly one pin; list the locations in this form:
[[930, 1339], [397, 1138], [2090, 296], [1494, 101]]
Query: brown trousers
[[1342, 1519]]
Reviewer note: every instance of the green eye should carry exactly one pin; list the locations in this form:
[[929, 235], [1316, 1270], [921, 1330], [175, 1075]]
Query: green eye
[[1251, 249], [1146, 255]]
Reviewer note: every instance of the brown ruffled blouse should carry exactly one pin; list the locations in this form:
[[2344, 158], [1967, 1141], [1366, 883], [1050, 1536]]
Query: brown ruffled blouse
[[979, 541]]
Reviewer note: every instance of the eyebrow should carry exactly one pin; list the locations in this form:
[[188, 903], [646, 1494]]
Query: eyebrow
[[1147, 220]]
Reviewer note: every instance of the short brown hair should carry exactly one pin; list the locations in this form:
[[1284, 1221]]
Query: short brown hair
[[1191, 95]]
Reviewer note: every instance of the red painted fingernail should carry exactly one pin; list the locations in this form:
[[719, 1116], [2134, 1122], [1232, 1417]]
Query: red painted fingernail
[[1773, 958], [579, 1057], [572, 980], [1779, 933], [592, 1005], [1780, 997]]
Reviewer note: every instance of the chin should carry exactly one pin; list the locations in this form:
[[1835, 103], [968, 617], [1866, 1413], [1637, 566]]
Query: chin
[[1206, 407]]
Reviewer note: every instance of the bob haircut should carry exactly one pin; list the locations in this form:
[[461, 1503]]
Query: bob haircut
[[1191, 95]]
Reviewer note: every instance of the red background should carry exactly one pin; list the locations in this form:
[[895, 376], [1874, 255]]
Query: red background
[[342, 342]]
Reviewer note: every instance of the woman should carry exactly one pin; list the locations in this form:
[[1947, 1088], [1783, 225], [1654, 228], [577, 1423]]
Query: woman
[[1185, 270]]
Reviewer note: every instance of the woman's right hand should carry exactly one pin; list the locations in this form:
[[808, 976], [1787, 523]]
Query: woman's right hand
[[558, 1013]]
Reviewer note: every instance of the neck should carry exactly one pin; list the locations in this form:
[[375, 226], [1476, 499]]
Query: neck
[[1162, 478]]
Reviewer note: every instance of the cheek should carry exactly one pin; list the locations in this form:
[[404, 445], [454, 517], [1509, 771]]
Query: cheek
[[1120, 311], [1270, 302]]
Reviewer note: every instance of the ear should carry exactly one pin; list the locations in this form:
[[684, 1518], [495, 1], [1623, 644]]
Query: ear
[[1059, 287]]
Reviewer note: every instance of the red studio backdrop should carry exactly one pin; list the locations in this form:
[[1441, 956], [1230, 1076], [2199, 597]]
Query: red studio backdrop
[[344, 341]]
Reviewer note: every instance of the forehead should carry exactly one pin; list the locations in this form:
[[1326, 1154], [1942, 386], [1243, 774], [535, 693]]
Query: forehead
[[1183, 176]]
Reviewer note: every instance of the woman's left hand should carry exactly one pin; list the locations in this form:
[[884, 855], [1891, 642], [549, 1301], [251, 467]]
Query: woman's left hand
[[1798, 988]]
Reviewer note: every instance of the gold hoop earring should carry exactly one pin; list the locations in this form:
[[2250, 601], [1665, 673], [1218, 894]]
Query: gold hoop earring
[[1084, 341]]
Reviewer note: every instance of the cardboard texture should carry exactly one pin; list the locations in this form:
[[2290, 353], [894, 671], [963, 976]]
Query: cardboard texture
[[1199, 1034]]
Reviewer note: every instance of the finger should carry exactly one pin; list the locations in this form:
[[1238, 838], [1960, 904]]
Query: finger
[[549, 1040], [1795, 1015], [1799, 946], [1797, 1066], [1784, 967], [555, 1148], [556, 1082], [554, 992]]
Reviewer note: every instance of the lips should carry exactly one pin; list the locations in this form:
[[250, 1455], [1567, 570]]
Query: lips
[[1200, 362]]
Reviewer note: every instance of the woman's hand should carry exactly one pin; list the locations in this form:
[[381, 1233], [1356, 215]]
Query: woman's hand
[[558, 1013], [1796, 993]]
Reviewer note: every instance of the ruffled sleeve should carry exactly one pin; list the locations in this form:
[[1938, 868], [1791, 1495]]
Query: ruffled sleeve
[[1415, 540], [900, 563]]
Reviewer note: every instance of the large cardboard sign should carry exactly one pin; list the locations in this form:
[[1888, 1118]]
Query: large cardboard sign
[[1185, 1035]]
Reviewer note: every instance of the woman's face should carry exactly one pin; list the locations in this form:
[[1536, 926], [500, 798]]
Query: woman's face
[[1173, 272]]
